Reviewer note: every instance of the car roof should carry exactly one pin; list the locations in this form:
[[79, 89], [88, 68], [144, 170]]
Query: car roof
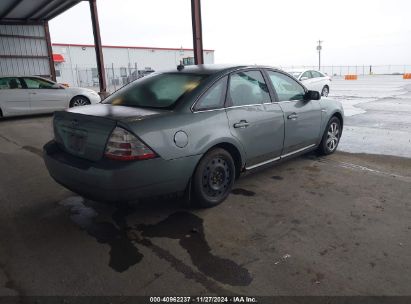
[[208, 69]]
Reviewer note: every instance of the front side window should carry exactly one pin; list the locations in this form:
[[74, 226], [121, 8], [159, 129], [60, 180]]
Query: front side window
[[214, 97], [295, 74], [287, 88], [37, 83], [156, 90], [316, 74], [8, 83], [247, 88]]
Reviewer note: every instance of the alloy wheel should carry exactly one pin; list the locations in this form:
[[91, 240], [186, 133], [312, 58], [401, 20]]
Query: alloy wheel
[[80, 102], [325, 92], [333, 136]]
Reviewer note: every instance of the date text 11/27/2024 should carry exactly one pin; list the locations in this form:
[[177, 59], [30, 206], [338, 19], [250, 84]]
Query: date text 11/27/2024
[[203, 299]]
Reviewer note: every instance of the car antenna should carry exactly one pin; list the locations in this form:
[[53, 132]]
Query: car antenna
[[180, 66]]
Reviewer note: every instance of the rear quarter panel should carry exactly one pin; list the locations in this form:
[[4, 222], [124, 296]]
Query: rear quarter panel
[[203, 129]]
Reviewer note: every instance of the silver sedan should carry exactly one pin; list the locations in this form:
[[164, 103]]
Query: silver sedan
[[34, 95]]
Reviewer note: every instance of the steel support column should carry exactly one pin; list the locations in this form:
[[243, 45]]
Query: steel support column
[[49, 51], [98, 48], [197, 31]]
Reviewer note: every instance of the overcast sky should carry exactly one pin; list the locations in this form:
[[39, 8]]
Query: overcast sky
[[258, 31]]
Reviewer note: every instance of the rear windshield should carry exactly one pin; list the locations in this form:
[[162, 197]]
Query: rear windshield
[[156, 90]]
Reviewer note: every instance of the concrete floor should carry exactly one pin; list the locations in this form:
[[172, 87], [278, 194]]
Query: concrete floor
[[337, 225]]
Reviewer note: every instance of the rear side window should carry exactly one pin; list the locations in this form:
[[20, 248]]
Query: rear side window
[[156, 90], [287, 89], [8, 83], [247, 88], [214, 97], [307, 74]]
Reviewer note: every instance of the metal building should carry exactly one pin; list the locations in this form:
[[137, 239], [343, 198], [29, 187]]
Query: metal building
[[25, 47], [75, 64]]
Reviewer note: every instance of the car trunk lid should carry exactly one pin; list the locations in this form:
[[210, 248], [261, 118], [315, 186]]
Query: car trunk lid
[[84, 131]]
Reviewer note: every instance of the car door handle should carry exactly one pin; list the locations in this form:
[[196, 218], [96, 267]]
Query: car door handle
[[242, 124], [292, 116], [33, 93]]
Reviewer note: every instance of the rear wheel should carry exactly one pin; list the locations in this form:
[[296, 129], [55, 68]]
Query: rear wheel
[[325, 91], [331, 137], [213, 179], [78, 101]]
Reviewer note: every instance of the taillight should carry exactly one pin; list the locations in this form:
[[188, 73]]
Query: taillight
[[122, 145]]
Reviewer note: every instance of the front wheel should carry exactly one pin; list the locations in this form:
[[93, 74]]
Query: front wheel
[[331, 137], [213, 178], [325, 91], [79, 101]]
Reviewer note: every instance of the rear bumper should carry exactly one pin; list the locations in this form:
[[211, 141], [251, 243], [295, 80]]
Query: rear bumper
[[109, 180]]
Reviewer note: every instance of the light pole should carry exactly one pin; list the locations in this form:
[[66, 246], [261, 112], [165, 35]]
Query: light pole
[[319, 47]]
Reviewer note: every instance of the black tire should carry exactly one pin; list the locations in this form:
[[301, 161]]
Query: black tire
[[213, 178], [331, 137], [325, 91], [1, 114], [78, 101]]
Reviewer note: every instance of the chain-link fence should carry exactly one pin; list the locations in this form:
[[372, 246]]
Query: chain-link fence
[[340, 70], [87, 77], [117, 77]]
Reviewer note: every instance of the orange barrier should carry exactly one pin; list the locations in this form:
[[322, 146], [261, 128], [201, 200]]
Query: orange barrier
[[351, 77], [406, 76]]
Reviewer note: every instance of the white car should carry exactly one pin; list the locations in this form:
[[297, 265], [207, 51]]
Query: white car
[[313, 80], [34, 95]]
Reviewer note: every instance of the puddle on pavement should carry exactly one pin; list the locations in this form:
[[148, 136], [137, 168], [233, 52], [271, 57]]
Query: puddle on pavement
[[183, 226], [189, 230], [240, 191], [123, 254]]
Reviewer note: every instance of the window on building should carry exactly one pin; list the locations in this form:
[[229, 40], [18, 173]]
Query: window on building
[[188, 61]]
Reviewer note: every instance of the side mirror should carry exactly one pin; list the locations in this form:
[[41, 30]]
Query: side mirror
[[312, 95], [303, 78]]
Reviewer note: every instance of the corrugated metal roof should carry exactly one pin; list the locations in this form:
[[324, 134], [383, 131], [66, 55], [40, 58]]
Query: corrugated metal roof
[[33, 10]]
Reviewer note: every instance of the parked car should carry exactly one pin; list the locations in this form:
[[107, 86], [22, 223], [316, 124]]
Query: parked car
[[34, 95], [192, 131], [313, 80]]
